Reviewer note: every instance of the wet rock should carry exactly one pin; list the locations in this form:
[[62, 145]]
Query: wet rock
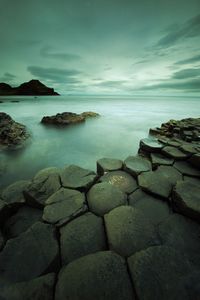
[[150, 145], [82, 236], [77, 178], [44, 184], [136, 165], [1, 240], [174, 153], [195, 160], [108, 164], [63, 206], [128, 230], [90, 114], [120, 179], [156, 272], [35, 289], [4, 211], [188, 149], [186, 198], [13, 194], [98, 276], [29, 255], [153, 209], [158, 159], [65, 118], [103, 197], [186, 169]]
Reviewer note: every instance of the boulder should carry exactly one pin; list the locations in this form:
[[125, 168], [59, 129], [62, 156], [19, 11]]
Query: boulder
[[82, 236], [98, 276], [13, 194], [103, 197], [174, 153], [150, 145], [136, 165], [108, 164]]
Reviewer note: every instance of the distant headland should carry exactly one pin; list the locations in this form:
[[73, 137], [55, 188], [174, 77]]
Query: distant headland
[[31, 88]]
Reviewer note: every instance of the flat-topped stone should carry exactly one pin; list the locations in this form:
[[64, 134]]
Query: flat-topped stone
[[174, 153], [186, 197], [150, 145], [82, 236], [136, 165], [195, 160], [103, 197], [186, 169], [13, 194], [108, 164], [158, 159], [98, 276], [188, 149], [63, 206], [122, 180], [75, 177], [128, 230]]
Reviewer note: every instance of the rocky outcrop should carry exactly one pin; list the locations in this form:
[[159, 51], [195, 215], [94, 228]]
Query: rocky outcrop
[[67, 118], [31, 88]]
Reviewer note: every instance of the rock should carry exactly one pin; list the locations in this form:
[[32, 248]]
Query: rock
[[75, 177], [188, 149], [65, 118], [89, 114], [195, 160], [150, 145], [186, 198], [108, 164], [182, 234], [103, 197], [24, 218], [158, 159], [128, 230], [186, 169], [136, 165], [44, 184], [63, 206], [13, 194], [4, 211], [174, 153], [1, 241], [156, 272], [82, 236], [98, 276], [12, 134], [153, 209], [159, 182], [120, 179], [35, 289], [31, 254]]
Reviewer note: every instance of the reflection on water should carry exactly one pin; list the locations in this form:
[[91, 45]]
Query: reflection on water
[[123, 122]]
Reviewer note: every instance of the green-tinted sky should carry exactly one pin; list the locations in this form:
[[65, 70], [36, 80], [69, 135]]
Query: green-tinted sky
[[102, 46]]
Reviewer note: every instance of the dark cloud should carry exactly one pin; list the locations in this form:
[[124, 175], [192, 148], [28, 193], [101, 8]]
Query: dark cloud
[[7, 77], [186, 74], [191, 60], [48, 52], [111, 83], [190, 85]]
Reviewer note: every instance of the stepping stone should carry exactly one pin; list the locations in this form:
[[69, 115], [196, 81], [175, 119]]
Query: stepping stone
[[24, 218], [158, 159], [186, 169], [195, 160], [128, 230], [174, 153], [98, 276], [75, 177], [103, 197], [173, 143], [44, 184], [63, 206], [150, 145], [136, 165], [186, 197], [159, 182], [122, 180], [108, 164], [35, 289], [13, 194], [182, 234], [29, 255], [82, 236], [153, 209], [188, 149], [157, 271]]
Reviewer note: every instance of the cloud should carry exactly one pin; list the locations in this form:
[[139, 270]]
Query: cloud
[[47, 53], [190, 85], [186, 74], [7, 77], [194, 59], [111, 83]]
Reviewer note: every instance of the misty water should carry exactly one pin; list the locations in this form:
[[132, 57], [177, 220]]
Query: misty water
[[123, 122]]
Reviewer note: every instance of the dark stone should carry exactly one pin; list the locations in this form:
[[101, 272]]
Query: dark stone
[[186, 169], [13, 194], [188, 149], [108, 164], [136, 165], [89, 114], [174, 153], [150, 145], [195, 160], [65, 118], [4, 211], [1, 241], [98, 276], [158, 159]]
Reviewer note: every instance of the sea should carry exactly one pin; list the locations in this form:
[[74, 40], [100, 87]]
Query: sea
[[124, 121]]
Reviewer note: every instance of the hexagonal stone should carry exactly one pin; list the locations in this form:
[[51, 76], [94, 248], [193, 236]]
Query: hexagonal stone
[[77, 178], [158, 159], [186, 197], [44, 184], [128, 230], [35, 289], [103, 197], [13, 194], [174, 153], [186, 169], [108, 164], [195, 160], [122, 180], [63, 206], [154, 209], [159, 182], [24, 218], [182, 234], [150, 145], [188, 149], [156, 272], [136, 165], [98, 276], [29, 255], [82, 236]]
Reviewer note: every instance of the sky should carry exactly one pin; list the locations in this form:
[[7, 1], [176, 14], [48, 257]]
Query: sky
[[102, 46]]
